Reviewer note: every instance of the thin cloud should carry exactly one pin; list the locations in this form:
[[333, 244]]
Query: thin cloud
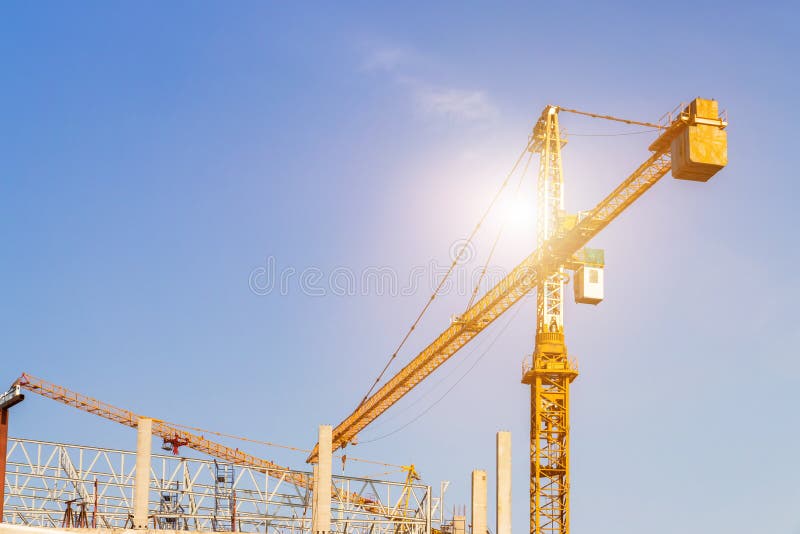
[[428, 98], [456, 103], [386, 59]]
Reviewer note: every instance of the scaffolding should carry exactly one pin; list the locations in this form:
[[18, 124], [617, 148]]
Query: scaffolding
[[224, 501], [170, 510]]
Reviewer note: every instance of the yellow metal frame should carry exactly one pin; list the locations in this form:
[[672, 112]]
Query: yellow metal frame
[[549, 376], [551, 373]]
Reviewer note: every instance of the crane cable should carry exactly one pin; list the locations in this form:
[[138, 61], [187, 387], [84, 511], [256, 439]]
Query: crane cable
[[456, 368], [499, 235], [451, 388], [474, 293], [639, 132], [611, 118], [449, 272], [270, 444]]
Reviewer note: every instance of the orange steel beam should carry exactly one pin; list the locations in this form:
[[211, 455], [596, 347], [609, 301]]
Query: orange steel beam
[[160, 428], [542, 262]]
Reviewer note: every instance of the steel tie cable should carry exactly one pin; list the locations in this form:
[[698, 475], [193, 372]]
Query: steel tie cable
[[449, 272]]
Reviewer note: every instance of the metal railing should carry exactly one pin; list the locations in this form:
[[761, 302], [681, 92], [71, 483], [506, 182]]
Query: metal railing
[[527, 365]]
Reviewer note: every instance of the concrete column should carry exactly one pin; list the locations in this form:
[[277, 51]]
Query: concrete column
[[324, 473], [3, 454], [141, 484], [479, 502], [7, 399], [459, 524], [503, 483]]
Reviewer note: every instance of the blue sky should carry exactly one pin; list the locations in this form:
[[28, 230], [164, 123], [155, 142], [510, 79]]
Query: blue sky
[[155, 156]]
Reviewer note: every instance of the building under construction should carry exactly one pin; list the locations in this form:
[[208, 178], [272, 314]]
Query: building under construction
[[59, 486]]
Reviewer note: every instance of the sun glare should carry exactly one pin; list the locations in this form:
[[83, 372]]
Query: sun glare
[[521, 213]]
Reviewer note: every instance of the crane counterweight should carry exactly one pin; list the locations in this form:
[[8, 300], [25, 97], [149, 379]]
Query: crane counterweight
[[697, 140]]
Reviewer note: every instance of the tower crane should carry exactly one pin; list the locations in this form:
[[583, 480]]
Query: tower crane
[[692, 142]]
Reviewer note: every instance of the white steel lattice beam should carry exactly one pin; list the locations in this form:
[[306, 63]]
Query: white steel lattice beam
[[37, 488]]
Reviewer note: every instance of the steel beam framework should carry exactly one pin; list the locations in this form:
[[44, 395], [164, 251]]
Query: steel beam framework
[[44, 479]]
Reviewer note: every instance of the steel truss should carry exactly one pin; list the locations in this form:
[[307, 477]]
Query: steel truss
[[547, 141], [43, 477], [550, 372]]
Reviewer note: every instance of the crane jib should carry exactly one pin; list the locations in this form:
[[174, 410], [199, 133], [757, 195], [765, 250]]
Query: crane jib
[[500, 298]]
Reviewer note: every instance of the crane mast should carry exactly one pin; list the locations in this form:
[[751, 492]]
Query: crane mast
[[550, 372], [547, 141]]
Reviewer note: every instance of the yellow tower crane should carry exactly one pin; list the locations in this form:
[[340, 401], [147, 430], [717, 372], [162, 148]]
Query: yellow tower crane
[[692, 142]]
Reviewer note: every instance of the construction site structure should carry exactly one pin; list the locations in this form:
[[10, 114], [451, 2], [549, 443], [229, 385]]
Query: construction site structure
[[692, 142], [408, 511], [51, 484], [224, 500]]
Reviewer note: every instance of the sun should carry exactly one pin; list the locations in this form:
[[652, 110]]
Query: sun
[[520, 213]]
